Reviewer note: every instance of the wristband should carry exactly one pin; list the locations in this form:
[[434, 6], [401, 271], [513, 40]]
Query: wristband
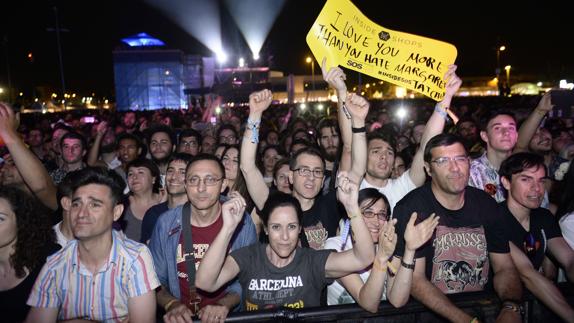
[[352, 216], [378, 266], [254, 126], [408, 266], [474, 320], [441, 111], [391, 270], [169, 304], [359, 130]]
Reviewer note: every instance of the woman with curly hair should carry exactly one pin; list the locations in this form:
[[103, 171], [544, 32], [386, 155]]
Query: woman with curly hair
[[26, 239]]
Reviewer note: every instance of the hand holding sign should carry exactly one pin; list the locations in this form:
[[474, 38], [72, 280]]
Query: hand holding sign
[[335, 77], [346, 37]]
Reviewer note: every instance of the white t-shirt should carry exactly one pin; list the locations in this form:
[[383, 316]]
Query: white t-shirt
[[395, 189], [60, 238], [336, 293]]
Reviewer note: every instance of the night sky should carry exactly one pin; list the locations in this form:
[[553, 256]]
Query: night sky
[[536, 35]]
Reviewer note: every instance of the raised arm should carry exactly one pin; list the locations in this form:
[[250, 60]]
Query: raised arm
[[33, 173], [258, 190], [343, 263], [435, 124], [415, 236], [529, 126], [213, 272], [564, 254], [358, 108], [94, 152], [540, 286], [335, 77]]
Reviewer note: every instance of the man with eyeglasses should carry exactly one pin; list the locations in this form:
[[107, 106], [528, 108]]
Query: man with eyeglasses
[[307, 171], [381, 147], [533, 231], [189, 142], [204, 181], [469, 242]]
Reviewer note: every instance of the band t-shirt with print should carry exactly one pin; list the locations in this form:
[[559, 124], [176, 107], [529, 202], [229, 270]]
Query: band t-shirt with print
[[321, 220], [265, 286], [457, 253], [202, 238], [533, 243]]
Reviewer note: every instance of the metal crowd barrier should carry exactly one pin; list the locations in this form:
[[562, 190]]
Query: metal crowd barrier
[[485, 305]]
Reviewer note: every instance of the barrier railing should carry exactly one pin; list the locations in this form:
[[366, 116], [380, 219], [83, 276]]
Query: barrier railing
[[485, 305]]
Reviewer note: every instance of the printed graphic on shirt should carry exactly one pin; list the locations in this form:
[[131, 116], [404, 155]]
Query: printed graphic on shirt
[[199, 250], [460, 262], [275, 291], [316, 235]]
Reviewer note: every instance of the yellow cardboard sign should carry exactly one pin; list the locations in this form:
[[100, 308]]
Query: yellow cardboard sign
[[346, 37]]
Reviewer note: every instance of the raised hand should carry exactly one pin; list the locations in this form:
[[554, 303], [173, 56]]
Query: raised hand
[[387, 240], [357, 106], [348, 192], [232, 210], [260, 101], [335, 77], [453, 82], [102, 127], [8, 121], [417, 235], [545, 104]]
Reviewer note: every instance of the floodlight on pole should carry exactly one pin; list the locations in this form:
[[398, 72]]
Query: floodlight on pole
[[255, 56], [221, 56], [241, 62]]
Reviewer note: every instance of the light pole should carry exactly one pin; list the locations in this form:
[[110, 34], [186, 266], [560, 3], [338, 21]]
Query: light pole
[[507, 69], [312, 61], [498, 50]]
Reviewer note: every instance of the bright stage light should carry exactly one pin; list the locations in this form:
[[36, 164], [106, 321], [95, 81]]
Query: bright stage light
[[254, 30], [241, 62], [221, 56]]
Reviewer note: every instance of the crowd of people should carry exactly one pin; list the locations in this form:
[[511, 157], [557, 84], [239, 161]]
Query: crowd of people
[[159, 215]]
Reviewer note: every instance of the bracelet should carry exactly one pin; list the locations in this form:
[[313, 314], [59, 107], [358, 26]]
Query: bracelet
[[359, 130], [513, 306], [378, 266], [352, 216], [346, 111], [169, 304], [254, 126], [408, 266], [441, 111], [474, 320], [392, 271]]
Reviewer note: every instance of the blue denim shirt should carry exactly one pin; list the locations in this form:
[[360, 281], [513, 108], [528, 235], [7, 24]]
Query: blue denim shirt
[[165, 238]]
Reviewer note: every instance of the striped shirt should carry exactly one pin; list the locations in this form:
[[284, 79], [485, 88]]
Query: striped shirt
[[66, 284]]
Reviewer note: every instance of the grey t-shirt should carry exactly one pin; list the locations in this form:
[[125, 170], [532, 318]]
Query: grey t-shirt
[[297, 285]]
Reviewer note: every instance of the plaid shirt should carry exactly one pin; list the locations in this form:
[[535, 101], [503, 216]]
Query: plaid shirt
[[66, 284], [485, 177]]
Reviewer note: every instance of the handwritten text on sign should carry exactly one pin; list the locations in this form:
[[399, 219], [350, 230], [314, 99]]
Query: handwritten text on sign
[[348, 38]]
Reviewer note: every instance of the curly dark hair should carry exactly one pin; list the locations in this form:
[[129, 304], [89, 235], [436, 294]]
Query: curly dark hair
[[34, 229]]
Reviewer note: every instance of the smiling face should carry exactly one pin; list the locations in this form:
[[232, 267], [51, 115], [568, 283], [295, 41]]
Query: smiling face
[[374, 224], [526, 188], [541, 141], [175, 177], [283, 230]]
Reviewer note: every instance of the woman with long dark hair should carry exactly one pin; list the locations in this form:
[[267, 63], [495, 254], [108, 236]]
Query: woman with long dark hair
[[565, 212], [26, 240]]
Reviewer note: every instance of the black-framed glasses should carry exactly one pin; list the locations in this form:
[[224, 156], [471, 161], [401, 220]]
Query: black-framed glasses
[[306, 172], [443, 161], [208, 181], [383, 216]]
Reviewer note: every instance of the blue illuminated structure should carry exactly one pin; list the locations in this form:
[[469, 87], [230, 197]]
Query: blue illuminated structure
[[142, 39]]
